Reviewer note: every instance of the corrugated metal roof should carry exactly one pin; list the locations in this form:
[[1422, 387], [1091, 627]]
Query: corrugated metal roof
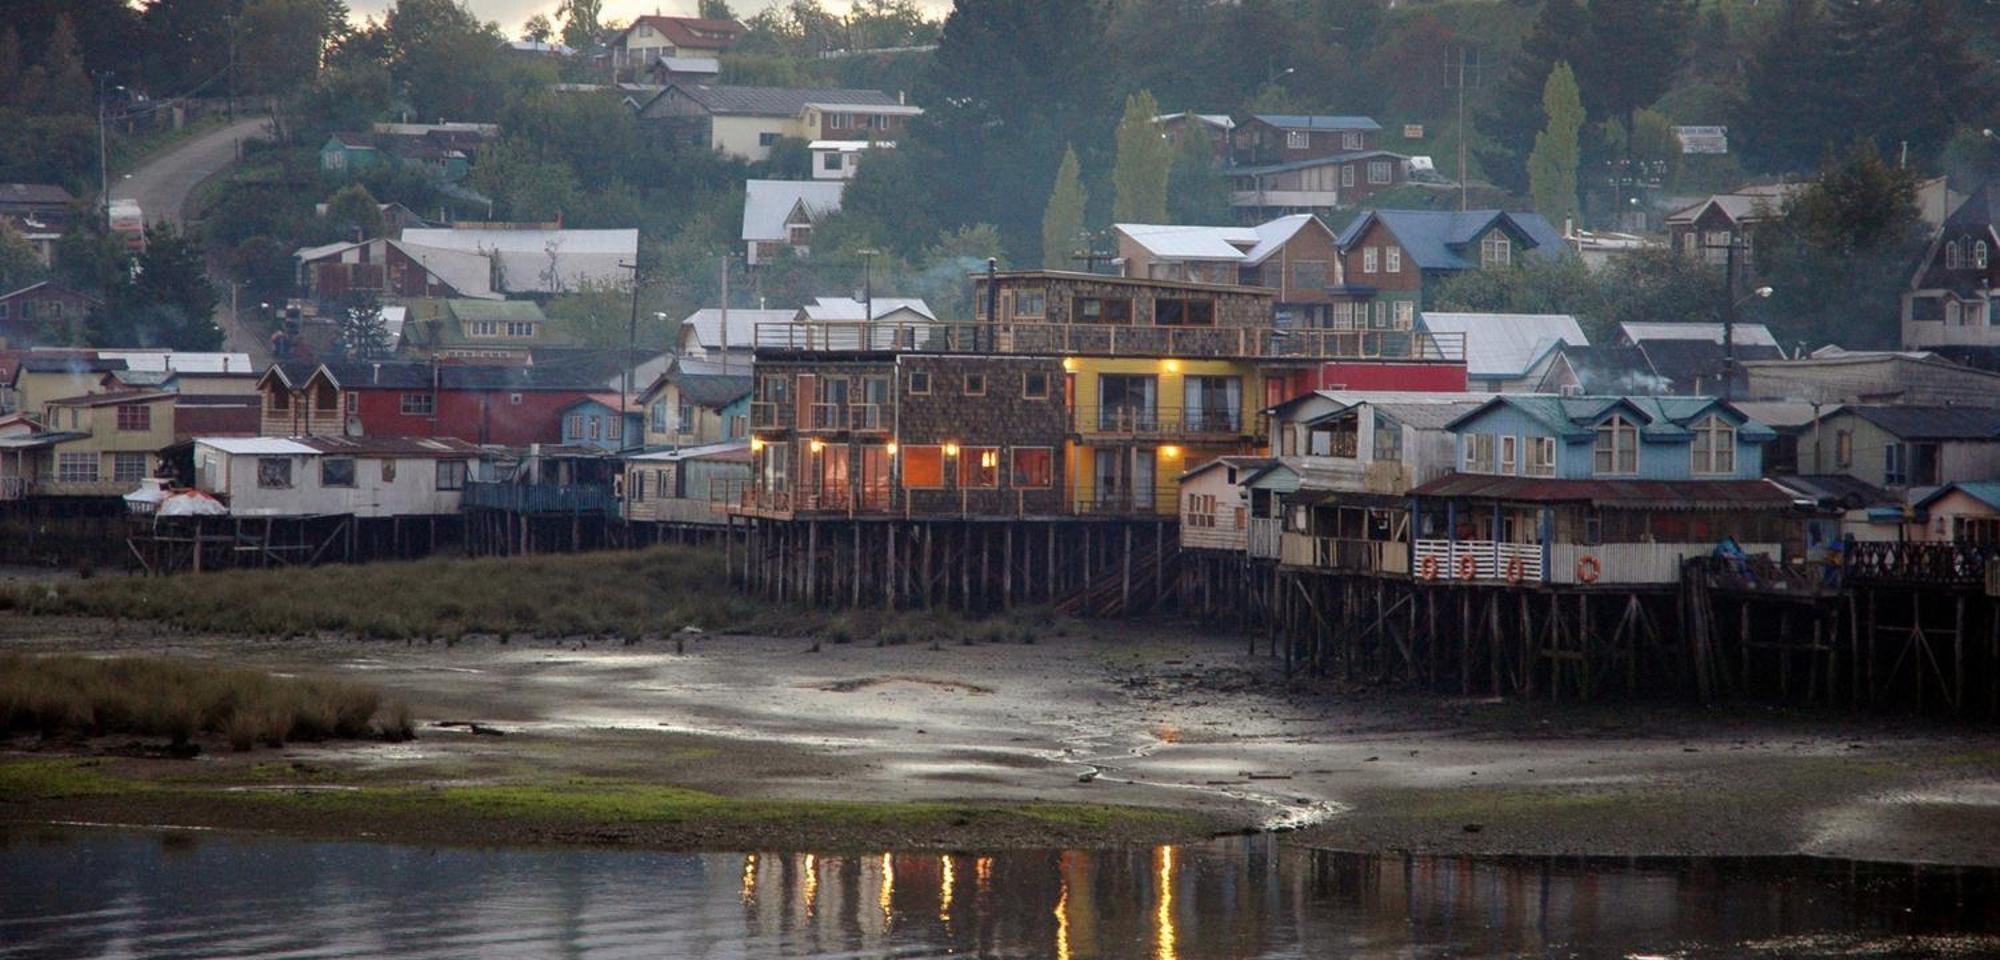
[[534, 261], [1746, 333], [766, 204], [256, 446], [1653, 494], [1506, 345], [706, 325], [182, 361], [1441, 239], [824, 309], [777, 101], [1932, 422], [1173, 242], [1297, 121]]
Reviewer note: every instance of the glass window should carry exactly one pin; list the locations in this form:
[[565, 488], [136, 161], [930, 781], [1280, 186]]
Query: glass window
[[1034, 468], [1035, 385], [975, 384], [135, 416], [274, 473], [418, 404], [451, 475], [336, 472], [1953, 258], [1103, 310], [1030, 303], [1895, 465], [76, 467], [1713, 451], [766, 139], [388, 471], [1979, 254], [1388, 439], [1617, 448], [1497, 250], [1541, 456], [920, 382], [1297, 139], [1406, 314], [660, 416], [128, 467], [979, 467], [830, 161], [1509, 454], [923, 468], [1479, 453], [575, 427], [1394, 256], [1350, 140], [1178, 312], [1347, 174], [1843, 448], [1371, 259], [1379, 171]]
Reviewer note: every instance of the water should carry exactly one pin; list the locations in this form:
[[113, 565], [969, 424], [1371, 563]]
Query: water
[[115, 893]]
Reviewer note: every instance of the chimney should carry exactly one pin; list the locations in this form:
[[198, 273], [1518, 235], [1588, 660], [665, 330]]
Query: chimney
[[901, 99], [378, 373]]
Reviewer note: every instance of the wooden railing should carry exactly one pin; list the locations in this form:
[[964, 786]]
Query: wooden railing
[[1265, 533], [767, 415], [1078, 339], [1956, 563], [1338, 553], [13, 488]]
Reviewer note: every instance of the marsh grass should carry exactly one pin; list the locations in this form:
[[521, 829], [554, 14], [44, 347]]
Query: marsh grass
[[81, 696]]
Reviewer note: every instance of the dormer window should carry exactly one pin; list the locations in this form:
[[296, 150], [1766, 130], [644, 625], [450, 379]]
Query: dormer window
[[1954, 256], [1713, 452], [1617, 449], [1497, 250]]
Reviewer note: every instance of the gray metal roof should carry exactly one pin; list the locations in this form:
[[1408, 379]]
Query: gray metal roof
[[1506, 345], [776, 101]]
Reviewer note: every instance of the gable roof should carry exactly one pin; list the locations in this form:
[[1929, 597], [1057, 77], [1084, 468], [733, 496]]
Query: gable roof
[[698, 32], [1984, 491], [1914, 422], [184, 361], [1220, 121], [1240, 463], [718, 98], [1745, 205], [767, 204], [1506, 345], [1420, 414], [713, 391], [1629, 494], [530, 260], [705, 326], [40, 194], [1298, 121], [1246, 245], [1744, 335], [836, 309], [1981, 209], [1660, 418], [1616, 368], [1443, 239]]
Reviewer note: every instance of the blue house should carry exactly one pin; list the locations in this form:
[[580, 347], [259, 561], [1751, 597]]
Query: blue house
[[594, 421], [1614, 490]]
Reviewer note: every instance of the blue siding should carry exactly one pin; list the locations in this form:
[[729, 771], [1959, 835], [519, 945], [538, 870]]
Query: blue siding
[[1660, 457], [594, 430]]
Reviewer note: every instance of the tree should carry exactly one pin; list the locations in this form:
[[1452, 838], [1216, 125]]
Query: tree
[[65, 87], [715, 10], [450, 63], [19, 264], [1558, 34], [280, 43], [1553, 165], [1197, 192], [1838, 259], [11, 66], [1789, 106], [355, 213], [1062, 220], [167, 301], [581, 22], [363, 334], [538, 29], [1145, 162]]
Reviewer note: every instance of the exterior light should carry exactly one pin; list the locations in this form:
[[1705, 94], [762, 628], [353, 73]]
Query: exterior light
[[951, 449], [1172, 366], [756, 444], [1170, 452], [817, 446], [1764, 292], [890, 448], [1069, 364]]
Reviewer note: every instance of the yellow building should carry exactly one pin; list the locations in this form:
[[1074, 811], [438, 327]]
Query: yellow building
[[694, 402], [1139, 423], [97, 445]]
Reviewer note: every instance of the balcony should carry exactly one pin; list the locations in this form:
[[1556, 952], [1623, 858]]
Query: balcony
[[1479, 560], [1347, 555], [1112, 340], [1123, 422], [767, 415]]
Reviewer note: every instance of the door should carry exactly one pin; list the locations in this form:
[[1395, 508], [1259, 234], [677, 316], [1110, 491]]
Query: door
[[874, 477], [1125, 479], [1126, 402]]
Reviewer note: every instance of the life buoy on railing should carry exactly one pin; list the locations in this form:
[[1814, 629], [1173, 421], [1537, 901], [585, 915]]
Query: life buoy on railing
[[1468, 568], [1588, 569], [1517, 569], [1428, 569]]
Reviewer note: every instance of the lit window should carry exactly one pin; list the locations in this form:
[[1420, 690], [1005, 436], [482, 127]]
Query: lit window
[[923, 468], [1617, 449], [1034, 468], [979, 467]]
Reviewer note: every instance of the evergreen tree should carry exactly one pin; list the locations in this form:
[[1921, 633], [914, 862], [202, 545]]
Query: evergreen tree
[[1145, 163], [1197, 192], [166, 302], [1789, 104], [1838, 259], [66, 87], [1559, 33], [1552, 167], [10, 65], [1062, 220], [355, 213], [1634, 49]]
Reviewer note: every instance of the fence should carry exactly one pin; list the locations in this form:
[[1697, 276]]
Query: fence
[[1064, 339], [1482, 559]]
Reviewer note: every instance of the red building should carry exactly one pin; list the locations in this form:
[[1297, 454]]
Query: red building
[[504, 406], [1408, 376]]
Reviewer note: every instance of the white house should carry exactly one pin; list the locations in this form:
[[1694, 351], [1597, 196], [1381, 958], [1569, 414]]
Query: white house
[[330, 476], [780, 214], [705, 337], [1507, 352], [536, 260], [841, 159]]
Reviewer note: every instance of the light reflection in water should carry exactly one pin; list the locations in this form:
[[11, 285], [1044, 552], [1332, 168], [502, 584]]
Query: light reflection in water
[[1167, 947], [811, 884], [887, 899], [750, 879], [945, 883], [1062, 922]]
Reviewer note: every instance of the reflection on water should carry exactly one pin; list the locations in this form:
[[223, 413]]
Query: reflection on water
[[67, 893]]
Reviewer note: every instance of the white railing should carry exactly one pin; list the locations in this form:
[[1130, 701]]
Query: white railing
[[1479, 560], [1264, 537], [1634, 562]]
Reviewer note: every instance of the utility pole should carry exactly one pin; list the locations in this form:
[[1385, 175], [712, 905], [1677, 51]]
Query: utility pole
[[1728, 319], [103, 171], [232, 69], [1461, 128], [631, 346], [725, 314]]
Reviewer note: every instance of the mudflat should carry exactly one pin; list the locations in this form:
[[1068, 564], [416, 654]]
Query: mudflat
[[1092, 734]]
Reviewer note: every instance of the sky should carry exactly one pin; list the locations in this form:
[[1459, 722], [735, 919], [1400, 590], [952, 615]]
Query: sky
[[510, 13]]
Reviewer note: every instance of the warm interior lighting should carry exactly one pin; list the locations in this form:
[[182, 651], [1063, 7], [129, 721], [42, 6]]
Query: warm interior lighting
[[817, 446], [951, 449], [756, 444], [1170, 452], [989, 459], [889, 448]]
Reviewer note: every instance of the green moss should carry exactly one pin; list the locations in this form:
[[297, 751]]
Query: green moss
[[23, 781]]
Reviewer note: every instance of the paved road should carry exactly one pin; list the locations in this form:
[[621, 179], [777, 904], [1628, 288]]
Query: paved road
[[164, 184]]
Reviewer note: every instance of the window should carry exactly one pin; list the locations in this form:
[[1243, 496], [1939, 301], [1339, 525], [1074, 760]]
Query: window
[[1347, 175], [923, 468], [135, 416], [1031, 303], [1034, 468], [1496, 250], [418, 404], [520, 328], [1478, 453], [1394, 255], [1406, 314], [830, 161], [614, 427], [1617, 449], [76, 467], [1371, 259], [514, 399], [637, 488], [1103, 310], [1309, 274], [766, 139], [660, 416], [451, 475], [485, 328], [1843, 448], [1350, 140], [1509, 454], [774, 390], [1895, 465], [274, 473], [1541, 456], [1035, 386], [336, 472], [1177, 312], [575, 428], [1714, 449], [1297, 140], [920, 383], [975, 384], [1379, 171], [388, 471], [1388, 439], [1979, 254], [979, 467], [1954, 256], [128, 467], [685, 423]]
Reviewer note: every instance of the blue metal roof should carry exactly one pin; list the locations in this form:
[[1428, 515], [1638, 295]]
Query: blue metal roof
[[1444, 239], [1660, 418], [1301, 121]]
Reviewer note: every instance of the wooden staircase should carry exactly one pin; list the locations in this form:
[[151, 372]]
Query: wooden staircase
[[1107, 594]]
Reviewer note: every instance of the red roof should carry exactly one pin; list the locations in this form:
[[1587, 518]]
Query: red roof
[[691, 31], [114, 398], [217, 415], [1652, 494]]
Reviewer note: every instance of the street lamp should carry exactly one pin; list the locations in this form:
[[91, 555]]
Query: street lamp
[[1729, 339]]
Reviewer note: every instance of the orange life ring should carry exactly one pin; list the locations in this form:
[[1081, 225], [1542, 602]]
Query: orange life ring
[[1468, 568], [1428, 569], [1588, 569], [1517, 569]]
